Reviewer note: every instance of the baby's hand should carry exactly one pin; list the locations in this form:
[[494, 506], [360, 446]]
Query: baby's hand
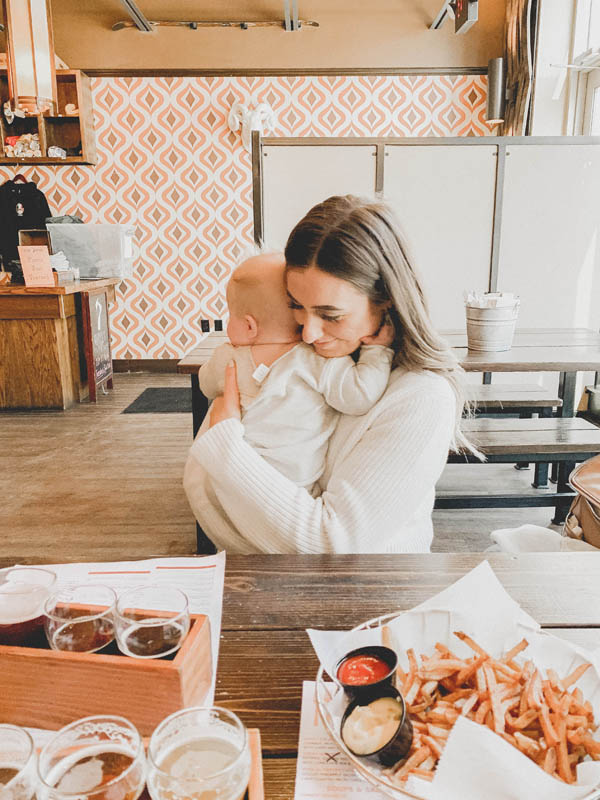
[[385, 335]]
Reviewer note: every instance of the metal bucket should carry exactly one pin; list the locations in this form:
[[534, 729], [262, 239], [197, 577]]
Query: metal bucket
[[491, 329], [594, 400]]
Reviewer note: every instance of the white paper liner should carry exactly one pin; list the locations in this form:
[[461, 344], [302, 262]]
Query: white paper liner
[[475, 299], [476, 762]]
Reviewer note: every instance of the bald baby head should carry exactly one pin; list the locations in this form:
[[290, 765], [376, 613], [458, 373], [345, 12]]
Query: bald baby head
[[258, 303]]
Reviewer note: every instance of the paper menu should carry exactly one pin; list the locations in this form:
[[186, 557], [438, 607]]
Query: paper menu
[[202, 579], [35, 261], [322, 772], [474, 765]]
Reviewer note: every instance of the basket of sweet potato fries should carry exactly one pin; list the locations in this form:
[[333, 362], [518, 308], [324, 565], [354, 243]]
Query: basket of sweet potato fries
[[541, 712]]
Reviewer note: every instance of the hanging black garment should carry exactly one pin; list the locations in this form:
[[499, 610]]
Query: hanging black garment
[[22, 205]]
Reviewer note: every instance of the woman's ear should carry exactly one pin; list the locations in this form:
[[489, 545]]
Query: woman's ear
[[251, 326]]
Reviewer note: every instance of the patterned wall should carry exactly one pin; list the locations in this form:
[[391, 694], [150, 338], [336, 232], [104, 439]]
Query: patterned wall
[[169, 166]]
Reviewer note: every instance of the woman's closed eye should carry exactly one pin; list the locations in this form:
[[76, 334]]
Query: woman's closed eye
[[324, 315]]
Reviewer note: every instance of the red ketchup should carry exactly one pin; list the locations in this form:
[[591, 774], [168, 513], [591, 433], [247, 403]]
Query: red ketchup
[[362, 670]]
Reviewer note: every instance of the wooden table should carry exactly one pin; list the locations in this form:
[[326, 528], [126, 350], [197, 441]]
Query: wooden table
[[46, 349], [269, 601], [564, 350]]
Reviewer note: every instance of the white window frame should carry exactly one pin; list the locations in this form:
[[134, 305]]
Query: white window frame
[[585, 51]]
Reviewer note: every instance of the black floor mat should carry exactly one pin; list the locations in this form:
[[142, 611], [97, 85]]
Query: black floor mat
[[170, 400]]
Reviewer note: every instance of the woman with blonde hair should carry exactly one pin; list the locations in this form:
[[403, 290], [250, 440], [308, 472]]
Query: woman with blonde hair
[[347, 273]]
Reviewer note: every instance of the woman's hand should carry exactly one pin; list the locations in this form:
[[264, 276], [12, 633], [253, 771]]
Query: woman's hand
[[227, 406], [384, 336]]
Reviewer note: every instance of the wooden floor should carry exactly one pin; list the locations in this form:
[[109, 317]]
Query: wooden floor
[[92, 483]]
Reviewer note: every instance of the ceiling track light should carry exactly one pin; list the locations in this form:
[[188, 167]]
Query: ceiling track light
[[496, 94], [138, 19], [196, 25]]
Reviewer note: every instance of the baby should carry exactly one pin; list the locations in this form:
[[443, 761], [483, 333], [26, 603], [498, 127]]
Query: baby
[[290, 396]]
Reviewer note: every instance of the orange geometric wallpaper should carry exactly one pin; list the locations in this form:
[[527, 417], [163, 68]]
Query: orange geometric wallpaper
[[169, 166]]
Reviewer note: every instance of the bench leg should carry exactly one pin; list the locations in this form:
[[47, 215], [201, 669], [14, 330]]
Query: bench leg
[[199, 404], [524, 464], [562, 506], [540, 478]]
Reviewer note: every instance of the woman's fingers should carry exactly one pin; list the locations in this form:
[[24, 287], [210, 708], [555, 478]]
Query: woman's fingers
[[231, 392], [384, 336], [228, 405]]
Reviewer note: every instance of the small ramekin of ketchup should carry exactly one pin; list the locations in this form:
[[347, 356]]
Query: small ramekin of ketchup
[[365, 668]]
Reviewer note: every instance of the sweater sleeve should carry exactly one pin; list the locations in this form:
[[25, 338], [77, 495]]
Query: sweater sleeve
[[372, 491], [354, 387], [211, 376]]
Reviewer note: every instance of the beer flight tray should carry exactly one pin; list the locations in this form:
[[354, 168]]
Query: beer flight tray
[[50, 688]]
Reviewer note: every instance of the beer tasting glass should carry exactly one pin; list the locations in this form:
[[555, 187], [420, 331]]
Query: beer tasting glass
[[95, 758], [151, 621], [80, 619], [17, 764], [199, 754], [23, 592]]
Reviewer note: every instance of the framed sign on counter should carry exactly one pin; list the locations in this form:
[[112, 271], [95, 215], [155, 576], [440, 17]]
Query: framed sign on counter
[[96, 341]]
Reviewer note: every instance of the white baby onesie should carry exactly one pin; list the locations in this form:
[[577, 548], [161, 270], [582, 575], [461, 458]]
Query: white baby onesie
[[290, 409]]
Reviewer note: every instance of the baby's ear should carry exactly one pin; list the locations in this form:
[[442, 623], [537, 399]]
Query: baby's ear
[[251, 326]]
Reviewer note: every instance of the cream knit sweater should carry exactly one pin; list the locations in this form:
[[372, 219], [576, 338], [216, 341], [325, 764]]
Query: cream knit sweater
[[378, 487]]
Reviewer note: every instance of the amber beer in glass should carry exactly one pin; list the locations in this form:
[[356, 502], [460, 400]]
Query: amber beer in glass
[[23, 592], [199, 754], [95, 758]]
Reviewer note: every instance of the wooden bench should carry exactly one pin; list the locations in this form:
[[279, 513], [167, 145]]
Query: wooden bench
[[524, 399], [566, 441]]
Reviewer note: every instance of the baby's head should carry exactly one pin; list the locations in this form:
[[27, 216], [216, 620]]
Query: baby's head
[[258, 304]]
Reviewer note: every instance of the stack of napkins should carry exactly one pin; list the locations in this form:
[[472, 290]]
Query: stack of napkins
[[64, 272], [475, 299]]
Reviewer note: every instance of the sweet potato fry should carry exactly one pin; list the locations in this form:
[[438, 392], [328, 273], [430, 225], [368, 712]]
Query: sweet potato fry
[[550, 761], [575, 675], [413, 761], [425, 774], [543, 715], [471, 643], [514, 651], [547, 727]]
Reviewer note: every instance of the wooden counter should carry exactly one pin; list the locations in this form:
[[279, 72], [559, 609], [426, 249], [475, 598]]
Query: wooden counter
[[42, 359]]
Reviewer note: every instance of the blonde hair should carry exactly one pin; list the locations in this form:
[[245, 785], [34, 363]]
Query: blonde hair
[[361, 242], [257, 287]]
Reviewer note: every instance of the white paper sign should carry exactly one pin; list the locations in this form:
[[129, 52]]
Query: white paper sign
[[322, 771]]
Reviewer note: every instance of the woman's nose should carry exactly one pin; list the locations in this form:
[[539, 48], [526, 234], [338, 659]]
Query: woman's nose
[[312, 329]]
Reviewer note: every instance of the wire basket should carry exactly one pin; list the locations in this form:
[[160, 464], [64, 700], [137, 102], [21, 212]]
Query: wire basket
[[327, 689]]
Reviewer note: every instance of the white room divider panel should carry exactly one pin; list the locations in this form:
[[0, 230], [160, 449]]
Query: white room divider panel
[[296, 177], [550, 235], [444, 197]]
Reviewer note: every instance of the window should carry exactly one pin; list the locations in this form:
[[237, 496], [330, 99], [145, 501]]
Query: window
[[586, 55]]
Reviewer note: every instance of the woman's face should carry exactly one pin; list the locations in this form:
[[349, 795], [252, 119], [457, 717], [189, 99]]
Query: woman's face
[[334, 315]]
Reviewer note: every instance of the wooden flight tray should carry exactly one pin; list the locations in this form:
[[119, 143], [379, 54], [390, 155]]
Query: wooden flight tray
[[50, 688]]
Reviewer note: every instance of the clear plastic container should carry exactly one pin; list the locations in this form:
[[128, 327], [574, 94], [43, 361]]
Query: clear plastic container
[[98, 251]]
